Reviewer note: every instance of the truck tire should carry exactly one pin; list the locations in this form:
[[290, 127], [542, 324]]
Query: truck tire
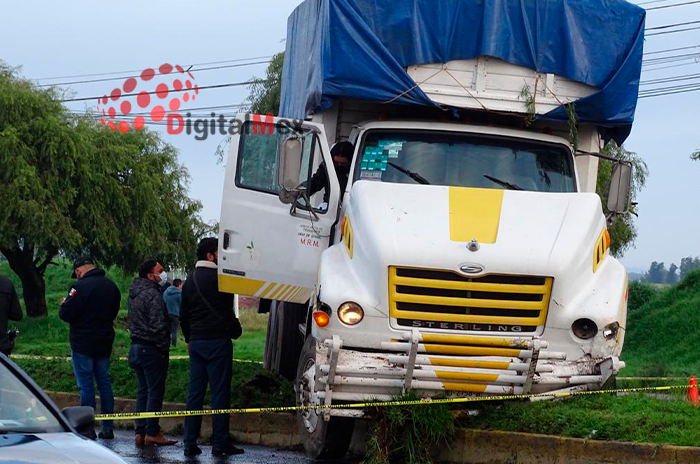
[[322, 440], [284, 340]]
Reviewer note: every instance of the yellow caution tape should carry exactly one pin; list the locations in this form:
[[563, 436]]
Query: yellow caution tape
[[207, 412]]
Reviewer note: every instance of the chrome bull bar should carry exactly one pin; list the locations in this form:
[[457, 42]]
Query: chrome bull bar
[[455, 365]]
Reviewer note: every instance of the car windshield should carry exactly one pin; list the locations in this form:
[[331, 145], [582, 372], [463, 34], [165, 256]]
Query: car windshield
[[20, 410], [465, 160]]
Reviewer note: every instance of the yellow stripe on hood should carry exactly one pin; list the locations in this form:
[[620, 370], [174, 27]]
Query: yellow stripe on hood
[[475, 213]]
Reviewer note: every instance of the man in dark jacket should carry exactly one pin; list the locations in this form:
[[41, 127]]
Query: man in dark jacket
[[208, 324], [341, 153], [149, 325], [9, 310], [90, 309]]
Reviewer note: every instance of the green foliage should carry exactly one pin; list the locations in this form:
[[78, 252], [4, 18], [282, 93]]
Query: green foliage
[[573, 124], [672, 274], [688, 264], [69, 185], [639, 294], [407, 434], [623, 232], [265, 93], [663, 331], [657, 273], [530, 107]]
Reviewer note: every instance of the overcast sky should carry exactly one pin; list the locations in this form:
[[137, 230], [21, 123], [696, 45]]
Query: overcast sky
[[50, 39]]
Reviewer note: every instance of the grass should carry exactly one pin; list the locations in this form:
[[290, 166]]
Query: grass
[[633, 418], [663, 333]]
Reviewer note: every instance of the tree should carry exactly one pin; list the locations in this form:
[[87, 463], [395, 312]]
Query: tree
[[657, 273], [688, 264], [672, 274], [70, 186], [623, 231], [265, 93]]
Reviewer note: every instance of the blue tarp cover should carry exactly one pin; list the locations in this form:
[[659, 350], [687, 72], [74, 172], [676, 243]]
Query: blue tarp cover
[[361, 48]]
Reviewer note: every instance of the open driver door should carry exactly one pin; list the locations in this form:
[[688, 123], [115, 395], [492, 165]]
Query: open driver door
[[272, 230]]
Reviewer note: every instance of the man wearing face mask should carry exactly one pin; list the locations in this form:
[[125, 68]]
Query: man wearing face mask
[[341, 153], [90, 308], [149, 325]]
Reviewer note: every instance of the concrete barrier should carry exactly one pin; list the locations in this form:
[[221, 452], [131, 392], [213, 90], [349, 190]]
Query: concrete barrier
[[276, 430], [468, 447]]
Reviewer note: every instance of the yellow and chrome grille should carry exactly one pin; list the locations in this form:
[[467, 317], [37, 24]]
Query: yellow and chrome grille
[[447, 300]]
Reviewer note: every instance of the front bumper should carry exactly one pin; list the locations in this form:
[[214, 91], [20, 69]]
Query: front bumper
[[452, 366]]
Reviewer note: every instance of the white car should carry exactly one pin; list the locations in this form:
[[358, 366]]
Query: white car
[[34, 430]]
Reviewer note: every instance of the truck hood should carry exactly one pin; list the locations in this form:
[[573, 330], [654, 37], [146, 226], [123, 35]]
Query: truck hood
[[518, 232]]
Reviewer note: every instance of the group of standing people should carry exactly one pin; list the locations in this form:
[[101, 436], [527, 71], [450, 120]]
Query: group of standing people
[[155, 310]]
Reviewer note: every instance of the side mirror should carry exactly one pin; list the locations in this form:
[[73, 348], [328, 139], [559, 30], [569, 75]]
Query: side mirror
[[81, 418], [290, 162], [620, 189]]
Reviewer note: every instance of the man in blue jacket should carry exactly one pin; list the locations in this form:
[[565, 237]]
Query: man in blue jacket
[[90, 308], [173, 299]]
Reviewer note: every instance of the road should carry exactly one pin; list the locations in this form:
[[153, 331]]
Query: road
[[123, 444]]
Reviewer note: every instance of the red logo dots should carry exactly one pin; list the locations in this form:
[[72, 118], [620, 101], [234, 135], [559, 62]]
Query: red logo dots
[[143, 99], [162, 91], [148, 74], [158, 113], [129, 85], [125, 107]]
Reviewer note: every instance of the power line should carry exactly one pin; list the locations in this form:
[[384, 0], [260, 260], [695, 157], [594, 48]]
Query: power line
[[672, 50], [667, 67], [664, 80], [673, 32], [669, 59], [157, 74], [204, 87], [139, 70], [671, 6], [658, 28]]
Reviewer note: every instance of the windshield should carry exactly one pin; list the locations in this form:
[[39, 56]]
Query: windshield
[[20, 410], [465, 160]]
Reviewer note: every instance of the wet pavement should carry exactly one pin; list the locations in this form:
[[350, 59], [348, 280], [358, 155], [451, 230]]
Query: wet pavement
[[123, 444]]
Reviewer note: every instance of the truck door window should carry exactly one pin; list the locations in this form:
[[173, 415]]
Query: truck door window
[[465, 160], [259, 159]]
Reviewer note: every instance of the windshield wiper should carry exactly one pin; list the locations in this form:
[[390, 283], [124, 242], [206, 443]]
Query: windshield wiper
[[415, 176], [503, 183]]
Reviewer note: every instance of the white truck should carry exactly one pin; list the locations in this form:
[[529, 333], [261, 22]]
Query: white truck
[[466, 256]]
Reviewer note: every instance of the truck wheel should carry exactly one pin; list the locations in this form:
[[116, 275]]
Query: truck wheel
[[284, 340], [322, 440]]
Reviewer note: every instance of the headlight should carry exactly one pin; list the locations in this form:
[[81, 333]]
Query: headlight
[[350, 313], [584, 329]]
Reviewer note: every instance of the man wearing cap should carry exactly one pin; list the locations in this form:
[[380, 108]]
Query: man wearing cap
[[90, 308]]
